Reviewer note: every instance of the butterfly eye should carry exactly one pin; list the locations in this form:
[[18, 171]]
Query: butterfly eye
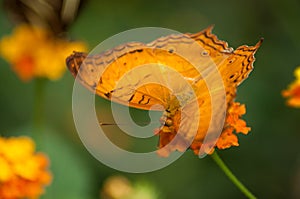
[[205, 53]]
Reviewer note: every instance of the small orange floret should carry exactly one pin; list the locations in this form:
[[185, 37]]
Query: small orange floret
[[227, 139], [24, 67], [292, 93], [235, 111], [233, 123]]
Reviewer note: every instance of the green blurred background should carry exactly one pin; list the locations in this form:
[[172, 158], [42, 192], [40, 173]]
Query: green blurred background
[[267, 160]]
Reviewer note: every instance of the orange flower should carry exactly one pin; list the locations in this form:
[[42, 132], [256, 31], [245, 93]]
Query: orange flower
[[227, 139], [36, 52], [23, 172], [235, 111], [233, 123], [293, 92]]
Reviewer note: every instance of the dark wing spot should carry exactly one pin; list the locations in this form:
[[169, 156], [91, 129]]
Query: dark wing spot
[[143, 97], [108, 95], [132, 96], [147, 101], [205, 53]]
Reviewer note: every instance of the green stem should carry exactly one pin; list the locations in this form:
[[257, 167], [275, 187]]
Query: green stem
[[231, 176], [38, 106]]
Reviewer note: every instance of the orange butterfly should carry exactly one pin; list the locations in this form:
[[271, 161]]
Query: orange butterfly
[[102, 73]]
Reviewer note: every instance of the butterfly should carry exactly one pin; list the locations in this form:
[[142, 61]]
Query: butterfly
[[143, 75], [56, 16]]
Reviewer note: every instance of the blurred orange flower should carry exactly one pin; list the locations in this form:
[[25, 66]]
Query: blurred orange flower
[[23, 172], [36, 52], [292, 93]]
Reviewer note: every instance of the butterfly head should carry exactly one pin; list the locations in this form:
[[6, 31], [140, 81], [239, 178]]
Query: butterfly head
[[74, 62]]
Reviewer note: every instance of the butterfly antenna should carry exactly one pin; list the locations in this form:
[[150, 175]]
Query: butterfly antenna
[[106, 124], [110, 124]]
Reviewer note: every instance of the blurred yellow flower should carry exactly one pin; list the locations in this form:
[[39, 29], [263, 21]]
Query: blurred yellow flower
[[293, 92], [36, 52], [119, 187], [23, 172], [116, 187]]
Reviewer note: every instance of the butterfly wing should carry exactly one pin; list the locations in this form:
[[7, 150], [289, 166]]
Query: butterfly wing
[[120, 77], [233, 66], [143, 88]]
